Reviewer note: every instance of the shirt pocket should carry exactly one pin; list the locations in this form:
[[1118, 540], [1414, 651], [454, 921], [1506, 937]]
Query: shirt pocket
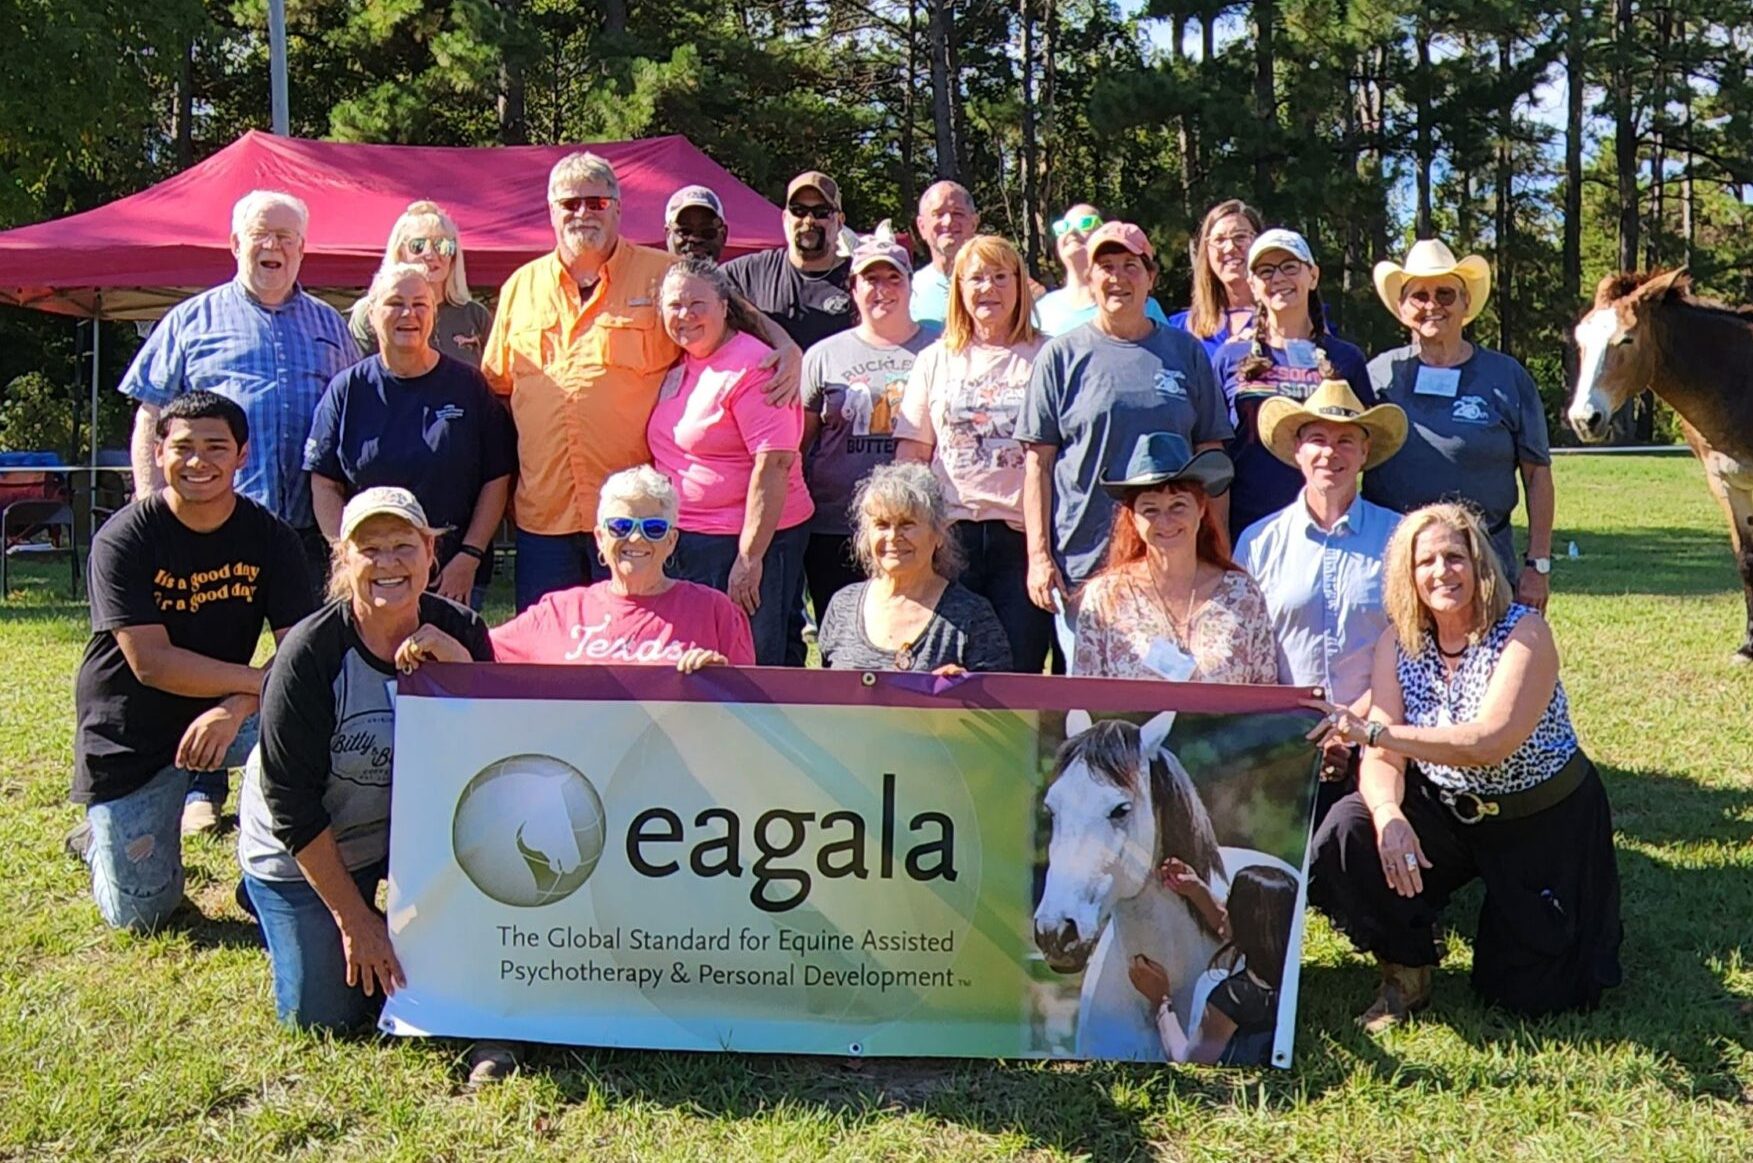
[[631, 339], [535, 344]]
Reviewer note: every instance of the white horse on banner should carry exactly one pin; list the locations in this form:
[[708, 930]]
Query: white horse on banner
[[1121, 804]]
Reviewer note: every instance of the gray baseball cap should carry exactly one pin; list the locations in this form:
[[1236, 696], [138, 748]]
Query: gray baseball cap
[[692, 196]]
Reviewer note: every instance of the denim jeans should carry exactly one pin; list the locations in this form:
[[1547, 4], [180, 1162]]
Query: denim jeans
[[304, 949], [136, 853], [549, 562], [706, 558], [997, 569]]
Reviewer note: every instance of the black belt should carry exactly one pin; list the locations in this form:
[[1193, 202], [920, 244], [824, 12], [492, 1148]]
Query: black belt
[[1471, 808]]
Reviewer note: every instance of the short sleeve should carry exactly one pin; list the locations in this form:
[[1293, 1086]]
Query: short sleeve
[[1154, 312], [1038, 421], [986, 647], [521, 639], [1352, 365], [1211, 410], [1532, 440], [914, 422], [763, 426], [289, 597], [120, 577], [322, 448], [737, 641], [836, 629], [359, 324], [155, 378], [812, 380]]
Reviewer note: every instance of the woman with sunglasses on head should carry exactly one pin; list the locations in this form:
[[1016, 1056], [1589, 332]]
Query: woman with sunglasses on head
[[1288, 353], [1074, 304], [639, 615], [426, 237], [1223, 302], [1476, 421]]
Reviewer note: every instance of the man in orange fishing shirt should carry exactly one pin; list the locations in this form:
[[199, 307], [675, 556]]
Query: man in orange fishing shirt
[[578, 348]]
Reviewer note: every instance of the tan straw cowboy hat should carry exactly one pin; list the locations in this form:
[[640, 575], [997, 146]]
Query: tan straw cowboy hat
[[1429, 259], [1282, 417]]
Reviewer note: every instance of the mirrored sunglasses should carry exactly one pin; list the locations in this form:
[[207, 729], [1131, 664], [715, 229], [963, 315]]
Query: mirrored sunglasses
[[596, 202], [445, 246], [1082, 224], [650, 528]]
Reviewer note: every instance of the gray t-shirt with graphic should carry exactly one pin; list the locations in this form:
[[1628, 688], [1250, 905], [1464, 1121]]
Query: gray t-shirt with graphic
[[1092, 396], [854, 389]]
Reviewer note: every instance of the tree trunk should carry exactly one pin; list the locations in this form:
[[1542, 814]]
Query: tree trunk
[[942, 105], [1184, 139], [1049, 36], [1265, 97], [1031, 207], [1424, 146], [183, 115], [1652, 247], [1625, 133], [615, 16], [512, 104], [1571, 279], [1506, 206], [909, 164], [1688, 225]]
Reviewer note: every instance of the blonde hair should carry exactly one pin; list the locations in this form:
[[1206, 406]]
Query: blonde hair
[[456, 287], [1205, 317], [341, 576], [1407, 614], [992, 251]]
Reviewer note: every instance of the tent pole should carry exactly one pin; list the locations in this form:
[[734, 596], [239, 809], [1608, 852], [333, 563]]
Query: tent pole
[[96, 354], [277, 66]]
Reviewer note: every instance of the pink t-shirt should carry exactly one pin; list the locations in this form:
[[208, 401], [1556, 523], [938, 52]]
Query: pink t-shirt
[[710, 422], [594, 624], [965, 406]]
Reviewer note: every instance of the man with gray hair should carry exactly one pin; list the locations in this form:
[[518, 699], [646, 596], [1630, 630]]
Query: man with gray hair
[[579, 351], [263, 343], [947, 219]]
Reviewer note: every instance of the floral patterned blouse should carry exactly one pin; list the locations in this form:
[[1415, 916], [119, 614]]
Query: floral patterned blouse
[[1120, 616]]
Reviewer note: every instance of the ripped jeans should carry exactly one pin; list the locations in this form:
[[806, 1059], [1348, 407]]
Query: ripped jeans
[[136, 853]]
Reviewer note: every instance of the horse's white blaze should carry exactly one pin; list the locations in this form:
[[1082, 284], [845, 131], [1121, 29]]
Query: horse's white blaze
[[1092, 860], [1589, 404]]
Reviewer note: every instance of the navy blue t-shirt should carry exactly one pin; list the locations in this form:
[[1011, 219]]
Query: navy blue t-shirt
[[441, 436], [1264, 484]]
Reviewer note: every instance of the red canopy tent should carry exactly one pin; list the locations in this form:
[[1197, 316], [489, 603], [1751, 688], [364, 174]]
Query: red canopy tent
[[135, 257]]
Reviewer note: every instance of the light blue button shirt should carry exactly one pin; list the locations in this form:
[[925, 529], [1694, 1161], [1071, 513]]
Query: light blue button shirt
[[1323, 591], [931, 295]]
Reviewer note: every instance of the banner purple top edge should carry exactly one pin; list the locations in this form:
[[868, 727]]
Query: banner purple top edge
[[841, 688]]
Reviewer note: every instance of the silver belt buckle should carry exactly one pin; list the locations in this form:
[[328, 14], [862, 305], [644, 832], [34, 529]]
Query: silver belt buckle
[[1477, 808]]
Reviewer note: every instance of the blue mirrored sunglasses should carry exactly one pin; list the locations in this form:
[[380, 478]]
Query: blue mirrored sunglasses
[[650, 528]]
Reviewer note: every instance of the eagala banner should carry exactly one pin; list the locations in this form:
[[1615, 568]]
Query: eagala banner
[[845, 863]]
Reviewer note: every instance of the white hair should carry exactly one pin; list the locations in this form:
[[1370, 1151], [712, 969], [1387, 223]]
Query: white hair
[[456, 287], [257, 201], [946, 185], [641, 482], [389, 277], [585, 166]]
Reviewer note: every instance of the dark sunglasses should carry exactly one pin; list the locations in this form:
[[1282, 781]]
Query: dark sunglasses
[[650, 528], [820, 213], [1082, 224], [1444, 296], [585, 201], [445, 246]]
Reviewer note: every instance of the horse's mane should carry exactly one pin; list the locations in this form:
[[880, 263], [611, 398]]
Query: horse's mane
[[1110, 749], [1626, 284]]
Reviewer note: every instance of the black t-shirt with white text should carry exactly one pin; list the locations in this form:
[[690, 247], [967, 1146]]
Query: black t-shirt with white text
[[212, 593], [809, 305]]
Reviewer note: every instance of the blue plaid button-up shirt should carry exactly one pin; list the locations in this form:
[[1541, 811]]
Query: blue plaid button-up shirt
[[274, 362]]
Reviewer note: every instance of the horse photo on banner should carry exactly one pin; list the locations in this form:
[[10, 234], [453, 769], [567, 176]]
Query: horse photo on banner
[[845, 863]]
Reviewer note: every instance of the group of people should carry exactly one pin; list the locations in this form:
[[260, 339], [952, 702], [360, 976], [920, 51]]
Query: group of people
[[948, 469]]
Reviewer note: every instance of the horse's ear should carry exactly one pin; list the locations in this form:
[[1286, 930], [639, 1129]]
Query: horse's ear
[[1613, 288], [1666, 285], [1076, 723], [1156, 732]]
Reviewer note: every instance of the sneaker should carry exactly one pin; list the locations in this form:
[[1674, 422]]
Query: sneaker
[[1403, 992], [200, 816], [491, 1062], [77, 842]]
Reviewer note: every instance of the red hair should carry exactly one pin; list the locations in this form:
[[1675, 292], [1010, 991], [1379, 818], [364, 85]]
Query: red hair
[[1126, 546]]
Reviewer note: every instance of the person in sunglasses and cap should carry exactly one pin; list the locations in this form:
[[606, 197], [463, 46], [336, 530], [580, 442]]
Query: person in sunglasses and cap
[[804, 285], [693, 222], [1074, 304], [1171, 602]]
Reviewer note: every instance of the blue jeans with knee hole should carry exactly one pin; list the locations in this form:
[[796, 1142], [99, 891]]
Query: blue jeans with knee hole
[[136, 853], [304, 949]]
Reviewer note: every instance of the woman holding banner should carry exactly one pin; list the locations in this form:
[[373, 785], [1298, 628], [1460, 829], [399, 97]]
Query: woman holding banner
[[1471, 768]]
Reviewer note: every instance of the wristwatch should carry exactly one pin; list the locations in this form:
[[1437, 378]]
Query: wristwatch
[[1540, 565]]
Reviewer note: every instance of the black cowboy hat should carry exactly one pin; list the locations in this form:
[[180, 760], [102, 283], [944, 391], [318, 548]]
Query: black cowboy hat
[[1160, 458]]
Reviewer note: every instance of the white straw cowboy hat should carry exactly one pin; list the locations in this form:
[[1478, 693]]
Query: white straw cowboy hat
[[1429, 259], [1281, 418]]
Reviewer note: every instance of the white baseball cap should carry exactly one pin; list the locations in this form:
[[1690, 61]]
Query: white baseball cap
[[382, 501]]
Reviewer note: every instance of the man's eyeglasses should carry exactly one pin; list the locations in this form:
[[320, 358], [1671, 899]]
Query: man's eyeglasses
[[651, 528], [444, 246], [1443, 296], [821, 213], [1082, 224], [597, 202], [1289, 268], [284, 239]]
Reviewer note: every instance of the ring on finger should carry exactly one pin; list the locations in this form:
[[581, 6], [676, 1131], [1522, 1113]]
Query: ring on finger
[[1410, 859]]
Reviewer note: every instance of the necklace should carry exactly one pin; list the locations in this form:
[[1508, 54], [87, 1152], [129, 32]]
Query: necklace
[[1183, 631], [1465, 646]]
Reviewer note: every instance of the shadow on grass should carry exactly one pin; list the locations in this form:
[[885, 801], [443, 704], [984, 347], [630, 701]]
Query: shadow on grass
[[1666, 560]]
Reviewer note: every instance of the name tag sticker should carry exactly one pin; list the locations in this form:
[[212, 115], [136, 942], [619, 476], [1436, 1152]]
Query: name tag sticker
[[639, 301], [672, 383], [1299, 353], [1169, 660], [1437, 381]]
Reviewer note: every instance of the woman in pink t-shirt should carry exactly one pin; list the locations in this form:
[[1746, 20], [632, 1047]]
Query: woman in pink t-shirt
[[639, 615], [732, 457]]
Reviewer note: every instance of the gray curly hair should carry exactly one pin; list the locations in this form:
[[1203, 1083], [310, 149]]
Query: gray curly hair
[[904, 490]]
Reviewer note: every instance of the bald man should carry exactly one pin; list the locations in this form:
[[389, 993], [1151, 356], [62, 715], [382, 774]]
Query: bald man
[[947, 219]]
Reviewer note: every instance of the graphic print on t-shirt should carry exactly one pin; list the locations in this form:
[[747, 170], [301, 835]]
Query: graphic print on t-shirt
[[189, 593], [363, 746], [980, 412], [865, 399]]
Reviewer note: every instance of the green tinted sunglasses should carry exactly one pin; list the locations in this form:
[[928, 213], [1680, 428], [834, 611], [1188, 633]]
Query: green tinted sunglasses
[[1083, 224]]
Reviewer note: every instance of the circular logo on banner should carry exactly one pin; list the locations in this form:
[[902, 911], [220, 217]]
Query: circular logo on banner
[[528, 830]]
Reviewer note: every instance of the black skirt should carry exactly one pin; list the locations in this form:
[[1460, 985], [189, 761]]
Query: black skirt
[[1549, 929]]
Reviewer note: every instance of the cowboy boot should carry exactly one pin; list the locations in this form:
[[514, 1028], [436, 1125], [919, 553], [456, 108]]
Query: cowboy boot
[[1403, 992]]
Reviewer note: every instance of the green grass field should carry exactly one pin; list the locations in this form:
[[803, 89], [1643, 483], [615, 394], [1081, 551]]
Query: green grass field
[[166, 1048]]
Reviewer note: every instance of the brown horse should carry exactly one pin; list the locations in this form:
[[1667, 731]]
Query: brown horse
[[1649, 332]]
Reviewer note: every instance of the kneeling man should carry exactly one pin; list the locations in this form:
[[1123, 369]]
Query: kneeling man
[[1318, 560], [182, 581]]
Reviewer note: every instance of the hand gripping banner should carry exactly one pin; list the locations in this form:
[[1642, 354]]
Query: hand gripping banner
[[833, 862]]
